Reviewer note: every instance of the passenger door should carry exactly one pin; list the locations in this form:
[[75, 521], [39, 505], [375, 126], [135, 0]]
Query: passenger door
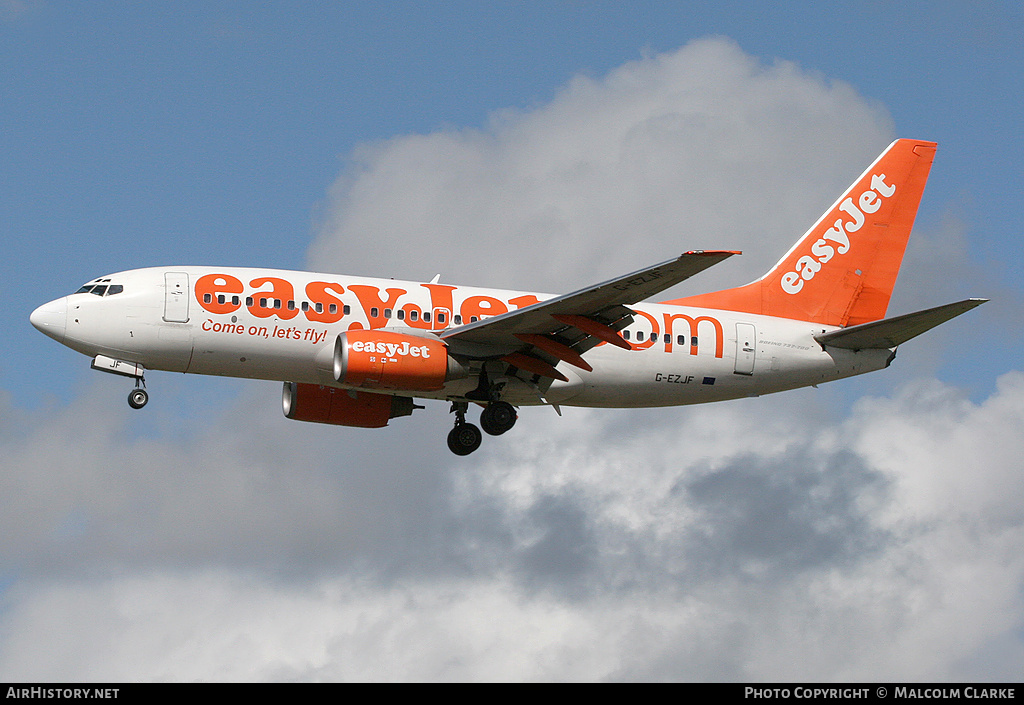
[[746, 340], [176, 297]]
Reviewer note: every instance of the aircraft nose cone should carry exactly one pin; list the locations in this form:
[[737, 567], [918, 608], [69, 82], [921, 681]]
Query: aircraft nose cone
[[52, 319]]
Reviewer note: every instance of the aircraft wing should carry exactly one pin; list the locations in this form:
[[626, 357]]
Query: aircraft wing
[[563, 327], [890, 332]]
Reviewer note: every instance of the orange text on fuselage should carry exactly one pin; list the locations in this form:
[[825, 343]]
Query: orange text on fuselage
[[268, 297], [273, 296]]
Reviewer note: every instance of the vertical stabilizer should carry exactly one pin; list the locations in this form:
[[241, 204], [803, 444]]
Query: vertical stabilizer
[[842, 271]]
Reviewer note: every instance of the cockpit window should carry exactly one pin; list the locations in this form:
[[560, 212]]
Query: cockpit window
[[101, 289]]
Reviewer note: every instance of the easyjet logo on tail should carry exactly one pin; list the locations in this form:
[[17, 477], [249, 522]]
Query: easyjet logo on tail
[[836, 240]]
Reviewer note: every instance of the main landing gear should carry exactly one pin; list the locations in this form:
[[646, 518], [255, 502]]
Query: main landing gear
[[496, 418], [465, 437]]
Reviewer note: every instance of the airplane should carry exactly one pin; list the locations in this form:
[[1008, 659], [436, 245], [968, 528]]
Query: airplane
[[357, 351]]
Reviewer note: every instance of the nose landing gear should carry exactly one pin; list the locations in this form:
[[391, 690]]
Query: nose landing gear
[[138, 397]]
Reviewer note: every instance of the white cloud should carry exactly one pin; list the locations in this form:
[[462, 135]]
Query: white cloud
[[760, 539], [702, 148], [708, 544]]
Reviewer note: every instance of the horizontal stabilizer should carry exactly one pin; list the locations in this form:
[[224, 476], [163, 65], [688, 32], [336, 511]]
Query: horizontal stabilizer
[[890, 332]]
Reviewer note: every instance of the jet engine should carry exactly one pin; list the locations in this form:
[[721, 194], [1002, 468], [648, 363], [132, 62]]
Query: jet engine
[[311, 402], [377, 359]]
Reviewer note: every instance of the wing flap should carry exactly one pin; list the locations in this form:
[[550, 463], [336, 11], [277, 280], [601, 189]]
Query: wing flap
[[890, 332]]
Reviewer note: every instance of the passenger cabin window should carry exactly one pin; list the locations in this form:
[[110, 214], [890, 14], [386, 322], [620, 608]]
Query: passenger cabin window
[[457, 320], [374, 312], [401, 314], [440, 317], [346, 309], [305, 305], [426, 316], [207, 298], [387, 313], [625, 335], [333, 308], [414, 315]]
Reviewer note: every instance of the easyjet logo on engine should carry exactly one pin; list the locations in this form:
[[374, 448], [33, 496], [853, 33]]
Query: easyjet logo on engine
[[386, 360], [391, 349], [836, 240]]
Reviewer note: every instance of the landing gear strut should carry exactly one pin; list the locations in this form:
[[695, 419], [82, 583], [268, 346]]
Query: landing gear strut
[[465, 437]]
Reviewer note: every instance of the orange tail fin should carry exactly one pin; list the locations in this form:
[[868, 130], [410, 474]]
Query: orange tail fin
[[842, 271]]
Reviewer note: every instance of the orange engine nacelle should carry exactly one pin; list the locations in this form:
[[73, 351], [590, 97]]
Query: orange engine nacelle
[[378, 359], [311, 402]]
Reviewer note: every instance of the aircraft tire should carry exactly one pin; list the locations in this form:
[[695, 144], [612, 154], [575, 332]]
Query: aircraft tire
[[464, 439], [138, 398], [498, 418]]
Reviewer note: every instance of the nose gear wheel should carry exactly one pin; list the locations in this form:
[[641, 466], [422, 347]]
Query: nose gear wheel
[[138, 398]]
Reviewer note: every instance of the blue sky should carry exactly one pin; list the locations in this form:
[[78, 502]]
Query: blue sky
[[209, 538]]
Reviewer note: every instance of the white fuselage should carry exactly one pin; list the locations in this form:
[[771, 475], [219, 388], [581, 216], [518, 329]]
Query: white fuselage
[[282, 325]]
